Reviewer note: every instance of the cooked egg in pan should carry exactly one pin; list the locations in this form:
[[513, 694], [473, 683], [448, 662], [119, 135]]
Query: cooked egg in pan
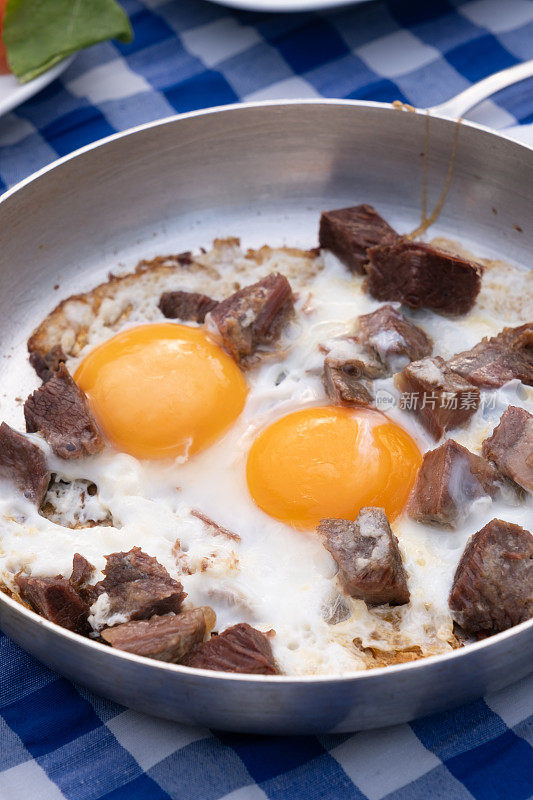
[[262, 452]]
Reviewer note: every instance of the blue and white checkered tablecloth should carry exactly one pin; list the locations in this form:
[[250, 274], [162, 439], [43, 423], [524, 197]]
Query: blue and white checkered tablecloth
[[56, 739]]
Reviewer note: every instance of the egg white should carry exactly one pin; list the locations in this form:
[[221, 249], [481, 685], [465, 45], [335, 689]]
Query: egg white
[[275, 577]]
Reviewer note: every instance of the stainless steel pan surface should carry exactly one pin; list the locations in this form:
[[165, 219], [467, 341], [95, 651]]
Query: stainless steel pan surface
[[263, 172]]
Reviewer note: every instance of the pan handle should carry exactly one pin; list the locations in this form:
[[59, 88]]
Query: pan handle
[[458, 106]]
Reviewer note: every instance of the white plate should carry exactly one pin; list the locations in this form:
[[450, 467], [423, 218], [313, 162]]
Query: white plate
[[286, 5], [13, 93]]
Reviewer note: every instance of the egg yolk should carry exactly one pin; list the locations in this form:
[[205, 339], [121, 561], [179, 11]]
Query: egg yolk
[[331, 462], [163, 390]]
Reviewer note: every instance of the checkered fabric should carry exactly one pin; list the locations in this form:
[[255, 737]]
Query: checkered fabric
[[56, 739], [190, 54]]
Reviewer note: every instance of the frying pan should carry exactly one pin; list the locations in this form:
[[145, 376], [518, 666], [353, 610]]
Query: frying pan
[[264, 172]]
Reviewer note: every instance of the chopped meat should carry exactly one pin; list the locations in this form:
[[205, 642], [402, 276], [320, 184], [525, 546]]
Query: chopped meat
[[82, 572], [240, 648], [419, 275], [57, 600], [131, 566], [217, 530], [439, 397], [347, 381], [493, 362], [254, 316], [47, 365], [23, 464], [493, 585], [368, 556], [168, 638], [59, 410], [394, 339], [186, 305], [138, 586], [349, 232], [511, 446], [385, 342], [449, 480]]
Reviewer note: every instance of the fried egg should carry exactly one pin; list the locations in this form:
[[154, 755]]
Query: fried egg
[[162, 390], [261, 453], [331, 462]]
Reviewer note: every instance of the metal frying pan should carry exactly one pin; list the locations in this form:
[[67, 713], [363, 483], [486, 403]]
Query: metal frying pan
[[264, 172]]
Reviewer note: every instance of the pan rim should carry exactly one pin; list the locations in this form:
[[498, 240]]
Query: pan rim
[[376, 672], [371, 674], [281, 103]]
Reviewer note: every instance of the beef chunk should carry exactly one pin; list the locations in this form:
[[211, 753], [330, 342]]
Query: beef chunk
[[138, 586], [366, 550], [254, 316], [385, 341], [57, 600], [449, 480], [186, 305], [23, 464], [347, 381], [167, 638], [240, 648], [439, 397], [65, 602], [511, 446], [494, 361], [493, 585], [349, 232], [59, 410], [394, 339], [419, 275], [47, 365], [82, 572]]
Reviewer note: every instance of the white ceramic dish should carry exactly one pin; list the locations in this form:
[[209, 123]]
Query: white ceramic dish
[[278, 6], [13, 93]]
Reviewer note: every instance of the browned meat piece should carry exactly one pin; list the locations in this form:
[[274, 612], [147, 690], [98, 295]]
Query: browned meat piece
[[240, 648], [440, 398], [349, 232], [166, 638], [131, 566], [494, 361], [511, 446], [254, 316], [419, 275], [449, 480], [186, 305], [347, 381], [82, 572], [367, 552], [47, 365], [57, 600], [384, 338], [392, 337], [139, 586], [59, 410], [493, 585], [23, 464]]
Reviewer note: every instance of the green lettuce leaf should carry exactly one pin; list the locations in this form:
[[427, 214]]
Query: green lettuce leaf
[[40, 33]]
